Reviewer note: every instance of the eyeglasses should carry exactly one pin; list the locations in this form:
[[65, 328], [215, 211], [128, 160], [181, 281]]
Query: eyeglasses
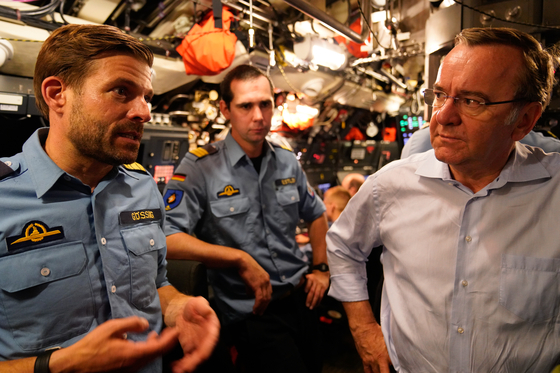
[[466, 105]]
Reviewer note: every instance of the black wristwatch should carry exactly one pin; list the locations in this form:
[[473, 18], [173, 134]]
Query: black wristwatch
[[323, 267]]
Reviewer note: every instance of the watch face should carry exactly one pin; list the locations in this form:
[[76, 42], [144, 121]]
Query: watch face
[[321, 267]]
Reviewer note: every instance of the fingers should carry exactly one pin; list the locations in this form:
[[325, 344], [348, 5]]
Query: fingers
[[315, 287], [262, 299], [116, 328]]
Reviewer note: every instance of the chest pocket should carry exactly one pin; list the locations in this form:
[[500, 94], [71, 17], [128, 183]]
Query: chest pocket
[[287, 195], [143, 244], [231, 214], [530, 287], [46, 295]]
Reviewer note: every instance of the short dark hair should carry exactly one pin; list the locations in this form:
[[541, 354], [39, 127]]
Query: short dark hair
[[70, 51], [241, 72], [537, 79]]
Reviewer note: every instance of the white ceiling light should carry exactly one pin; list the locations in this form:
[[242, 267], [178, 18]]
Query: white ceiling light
[[320, 52]]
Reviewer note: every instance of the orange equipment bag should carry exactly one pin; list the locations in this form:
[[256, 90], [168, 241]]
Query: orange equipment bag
[[208, 50]]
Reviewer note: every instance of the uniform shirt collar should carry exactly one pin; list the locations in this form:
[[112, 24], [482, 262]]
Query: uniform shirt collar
[[44, 172], [235, 153], [521, 166]]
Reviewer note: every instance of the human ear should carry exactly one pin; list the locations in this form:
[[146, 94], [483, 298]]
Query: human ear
[[54, 93], [224, 109], [527, 120]]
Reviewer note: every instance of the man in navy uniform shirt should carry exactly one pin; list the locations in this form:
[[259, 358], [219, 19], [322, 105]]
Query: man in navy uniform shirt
[[242, 198], [82, 250]]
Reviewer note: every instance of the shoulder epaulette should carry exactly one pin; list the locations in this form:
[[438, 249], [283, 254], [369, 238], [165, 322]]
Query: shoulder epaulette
[[282, 146], [135, 167], [4, 170], [202, 152]]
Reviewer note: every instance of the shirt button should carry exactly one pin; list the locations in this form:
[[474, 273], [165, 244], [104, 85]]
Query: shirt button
[[113, 289], [263, 206], [283, 278], [45, 272], [460, 330], [8, 163], [267, 231], [231, 209], [293, 198], [152, 242], [274, 255], [468, 238], [103, 241], [67, 178], [464, 283]]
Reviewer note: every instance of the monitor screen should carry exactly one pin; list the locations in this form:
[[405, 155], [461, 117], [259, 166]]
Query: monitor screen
[[324, 187]]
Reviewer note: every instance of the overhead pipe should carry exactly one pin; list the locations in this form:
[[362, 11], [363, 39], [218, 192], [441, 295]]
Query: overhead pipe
[[329, 21]]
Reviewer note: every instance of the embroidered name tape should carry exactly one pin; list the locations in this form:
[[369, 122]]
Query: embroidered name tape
[[140, 216], [288, 181]]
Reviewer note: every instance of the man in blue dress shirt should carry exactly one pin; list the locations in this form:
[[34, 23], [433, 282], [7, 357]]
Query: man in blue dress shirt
[[242, 198], [82, 251], [470, 258]]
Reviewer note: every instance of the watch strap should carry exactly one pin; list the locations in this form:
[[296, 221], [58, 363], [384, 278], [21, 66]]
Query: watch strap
[[42, 362], [323, 267]]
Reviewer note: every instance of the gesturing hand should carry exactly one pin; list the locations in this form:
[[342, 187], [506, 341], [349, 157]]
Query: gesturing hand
[[106, 348], [199, 330]]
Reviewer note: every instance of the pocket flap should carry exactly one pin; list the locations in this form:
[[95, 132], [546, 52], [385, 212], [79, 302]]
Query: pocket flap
[[144, 238], [287, 195], [229, 207], [41, 266]]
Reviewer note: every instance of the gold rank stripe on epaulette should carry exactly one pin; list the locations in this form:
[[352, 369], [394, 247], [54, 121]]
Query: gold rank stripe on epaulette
[[199, 152], [202, 152], [135, 167], [282, 146]]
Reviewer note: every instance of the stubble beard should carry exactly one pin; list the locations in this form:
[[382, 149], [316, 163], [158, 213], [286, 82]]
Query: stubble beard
[[90, 138]]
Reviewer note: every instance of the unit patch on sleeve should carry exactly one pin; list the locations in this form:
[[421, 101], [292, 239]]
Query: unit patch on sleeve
[[179, 177], [139, 216], [310, 191], [32, 233], [288, 181], [228, 191], [172, 198]]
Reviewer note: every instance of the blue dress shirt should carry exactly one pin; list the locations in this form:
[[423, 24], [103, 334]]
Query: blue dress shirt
[[222, 200], [472, 280], [71, 258]]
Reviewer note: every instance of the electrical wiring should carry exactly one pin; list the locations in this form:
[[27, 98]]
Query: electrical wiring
[[367, 22]]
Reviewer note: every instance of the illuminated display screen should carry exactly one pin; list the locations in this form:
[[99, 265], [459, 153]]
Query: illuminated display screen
[[408, 125]]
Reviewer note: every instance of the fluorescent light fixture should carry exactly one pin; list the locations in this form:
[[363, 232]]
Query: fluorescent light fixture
[[307, 110], [320, 52]]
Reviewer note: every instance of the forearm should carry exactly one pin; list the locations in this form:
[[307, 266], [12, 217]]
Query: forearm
[[359, 314], [18, 366], [185, 246], [172, 303], [317, 233]]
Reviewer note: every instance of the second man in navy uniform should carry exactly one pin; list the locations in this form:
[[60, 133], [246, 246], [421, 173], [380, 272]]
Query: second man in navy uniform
[[234, 206]]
